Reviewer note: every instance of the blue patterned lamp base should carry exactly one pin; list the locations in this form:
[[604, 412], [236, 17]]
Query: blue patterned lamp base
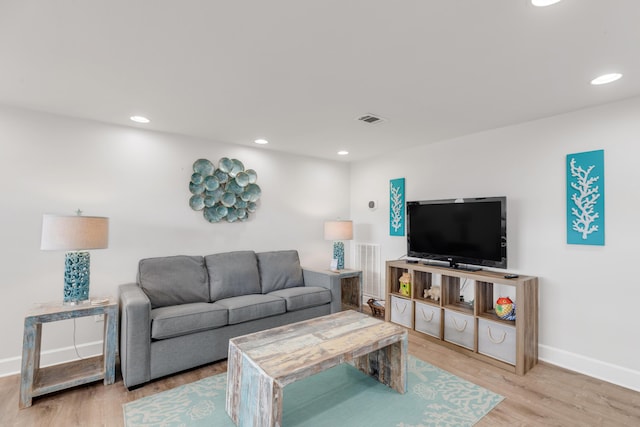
[[338, 254], [76, 277]]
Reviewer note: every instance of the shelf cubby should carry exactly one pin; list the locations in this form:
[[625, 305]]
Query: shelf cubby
[[422, 281], [394, 279], [486, 307]]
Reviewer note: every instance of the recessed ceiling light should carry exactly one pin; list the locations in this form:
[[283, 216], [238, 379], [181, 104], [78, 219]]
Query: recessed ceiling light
[[261, 141], [343, 153], [606, 78], [139, 119], [543, 3]]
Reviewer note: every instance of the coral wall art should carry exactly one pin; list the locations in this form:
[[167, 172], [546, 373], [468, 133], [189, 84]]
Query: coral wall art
[[585, 198], [227, 192], [396, 207]]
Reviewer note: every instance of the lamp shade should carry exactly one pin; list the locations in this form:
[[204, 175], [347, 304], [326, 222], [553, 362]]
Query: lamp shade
[[72, 233], [338, 230]]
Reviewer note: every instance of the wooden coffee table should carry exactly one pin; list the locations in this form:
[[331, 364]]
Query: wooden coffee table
[[260, 365]]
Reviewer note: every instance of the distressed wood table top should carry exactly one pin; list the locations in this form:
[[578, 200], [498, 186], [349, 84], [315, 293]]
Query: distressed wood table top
[[67, 311], [286, 352]]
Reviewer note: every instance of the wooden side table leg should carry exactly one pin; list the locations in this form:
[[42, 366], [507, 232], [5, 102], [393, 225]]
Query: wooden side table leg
[[30, 360], [360, 291], [110, 339]]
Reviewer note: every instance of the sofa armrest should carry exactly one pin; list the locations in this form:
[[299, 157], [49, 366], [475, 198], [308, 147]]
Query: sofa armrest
[[325, 279], [135, 335]]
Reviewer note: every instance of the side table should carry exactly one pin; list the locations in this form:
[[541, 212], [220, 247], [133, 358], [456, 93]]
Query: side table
[[350, 288], [36, 381]]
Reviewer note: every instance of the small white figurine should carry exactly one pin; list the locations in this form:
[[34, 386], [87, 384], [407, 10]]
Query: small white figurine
[[433, 293]]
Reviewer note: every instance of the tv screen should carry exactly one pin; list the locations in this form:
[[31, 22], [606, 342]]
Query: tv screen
[[459, 231]]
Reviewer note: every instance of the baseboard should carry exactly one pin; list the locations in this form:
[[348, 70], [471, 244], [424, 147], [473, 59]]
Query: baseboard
[[608, 372], [12, 365]]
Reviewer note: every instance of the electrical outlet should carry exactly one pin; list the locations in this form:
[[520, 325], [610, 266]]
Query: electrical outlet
[[98, 318]]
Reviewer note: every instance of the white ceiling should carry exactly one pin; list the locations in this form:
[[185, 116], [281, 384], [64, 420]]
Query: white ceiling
[[299, 72]]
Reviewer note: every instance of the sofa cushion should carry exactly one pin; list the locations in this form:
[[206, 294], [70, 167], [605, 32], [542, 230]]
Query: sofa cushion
[[232, 274], [167, 322], [174, 280], [251, 307], [303, 297], [279, 270]]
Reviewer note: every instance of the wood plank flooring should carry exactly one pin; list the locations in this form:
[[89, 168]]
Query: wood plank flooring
[[546, 396]]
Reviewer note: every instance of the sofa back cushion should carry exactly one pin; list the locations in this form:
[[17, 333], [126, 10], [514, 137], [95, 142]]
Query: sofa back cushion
[[279, 270], [174, 280], [232, 274]]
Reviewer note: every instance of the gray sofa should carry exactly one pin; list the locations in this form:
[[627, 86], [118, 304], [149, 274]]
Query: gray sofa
[[183, 310]]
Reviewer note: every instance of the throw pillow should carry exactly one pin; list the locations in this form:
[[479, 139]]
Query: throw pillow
[[232, 274], [279, 270], [174, 280]]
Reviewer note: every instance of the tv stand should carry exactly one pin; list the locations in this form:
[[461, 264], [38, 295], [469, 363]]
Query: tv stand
[[434, 310]]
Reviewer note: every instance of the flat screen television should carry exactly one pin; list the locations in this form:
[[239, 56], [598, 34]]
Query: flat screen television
[[459, 231]]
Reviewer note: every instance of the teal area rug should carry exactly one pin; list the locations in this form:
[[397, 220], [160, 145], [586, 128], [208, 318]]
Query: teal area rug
[[341, 396]]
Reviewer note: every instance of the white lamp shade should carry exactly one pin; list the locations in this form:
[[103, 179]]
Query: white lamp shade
[[338, 230], [74, 232]]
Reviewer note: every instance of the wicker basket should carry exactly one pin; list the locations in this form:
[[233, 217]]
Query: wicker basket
[[377, 309]]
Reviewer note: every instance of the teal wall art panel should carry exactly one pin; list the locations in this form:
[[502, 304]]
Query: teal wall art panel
[[396, 207], [585, 198]]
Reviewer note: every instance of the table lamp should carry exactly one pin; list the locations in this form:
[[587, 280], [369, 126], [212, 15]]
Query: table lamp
[[75, 234], [338, 230]]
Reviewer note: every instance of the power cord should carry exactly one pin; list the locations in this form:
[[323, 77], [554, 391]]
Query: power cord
[[464, 285], [74, 340]]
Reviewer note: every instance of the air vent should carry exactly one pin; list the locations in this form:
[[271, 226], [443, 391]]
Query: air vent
[[371, 119]]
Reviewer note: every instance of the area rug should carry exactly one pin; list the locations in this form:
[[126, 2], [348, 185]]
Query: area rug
[[341, 396]]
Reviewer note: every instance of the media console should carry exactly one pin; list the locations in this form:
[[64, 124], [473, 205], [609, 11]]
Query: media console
[[471, 327]]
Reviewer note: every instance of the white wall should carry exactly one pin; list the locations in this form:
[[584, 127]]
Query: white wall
[[138, 178], [589, 296]]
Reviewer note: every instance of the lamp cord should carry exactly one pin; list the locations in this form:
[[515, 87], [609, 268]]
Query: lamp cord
[[74, 340]]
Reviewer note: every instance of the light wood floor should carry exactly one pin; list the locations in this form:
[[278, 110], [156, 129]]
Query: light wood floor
[[546, 396]]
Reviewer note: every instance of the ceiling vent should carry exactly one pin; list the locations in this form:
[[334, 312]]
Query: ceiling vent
[[371, 119]]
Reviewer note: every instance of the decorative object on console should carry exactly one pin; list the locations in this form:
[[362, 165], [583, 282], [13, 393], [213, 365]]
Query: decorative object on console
[[76, 234], [585, 198], [396, 207], [405, 284], [433, 293], [505, 308], [337, 231], [227, 192]]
